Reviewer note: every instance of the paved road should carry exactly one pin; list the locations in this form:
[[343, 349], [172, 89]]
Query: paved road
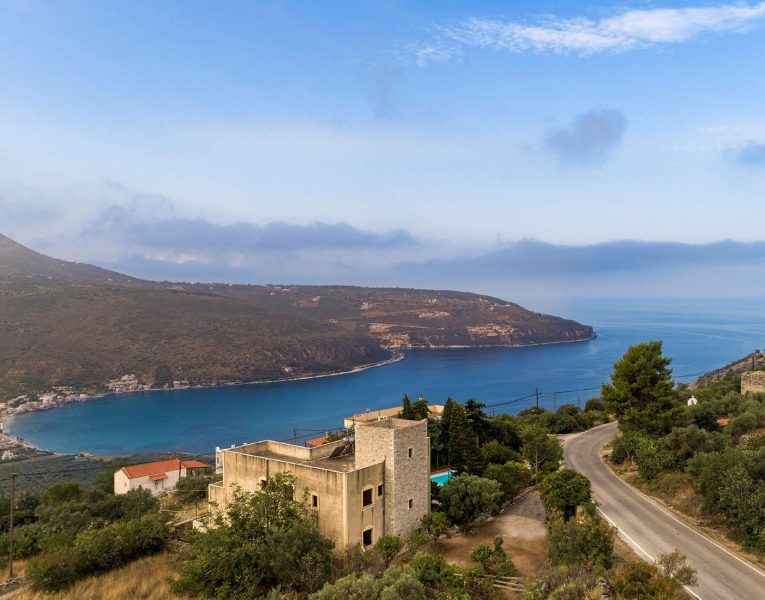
[[652, 530]]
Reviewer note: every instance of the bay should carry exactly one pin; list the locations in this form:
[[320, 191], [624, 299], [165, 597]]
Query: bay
[[699, 336]]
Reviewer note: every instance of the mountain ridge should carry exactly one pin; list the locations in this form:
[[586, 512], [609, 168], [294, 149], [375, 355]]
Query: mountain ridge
[[77, 326]]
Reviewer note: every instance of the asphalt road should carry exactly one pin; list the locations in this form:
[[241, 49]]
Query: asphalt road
[[652, 530]]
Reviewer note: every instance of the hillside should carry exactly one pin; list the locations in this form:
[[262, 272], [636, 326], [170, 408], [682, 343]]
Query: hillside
[[751, 362], [73, 325]]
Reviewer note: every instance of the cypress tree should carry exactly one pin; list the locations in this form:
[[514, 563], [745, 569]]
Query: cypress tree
[[463, 449], [406, 411], [446, 423], [420, 409]]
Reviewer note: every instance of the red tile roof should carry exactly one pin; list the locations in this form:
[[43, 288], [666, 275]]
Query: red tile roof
[[194, 464], [161, 466], [723, 421], [158, 476], [317, 442]]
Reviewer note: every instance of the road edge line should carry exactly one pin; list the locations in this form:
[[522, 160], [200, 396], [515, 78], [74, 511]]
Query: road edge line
[[703, 536]]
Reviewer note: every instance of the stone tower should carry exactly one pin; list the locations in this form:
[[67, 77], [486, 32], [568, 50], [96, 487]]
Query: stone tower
[[405, 448]]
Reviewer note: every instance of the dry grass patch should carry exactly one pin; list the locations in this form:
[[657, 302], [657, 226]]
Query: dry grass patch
[[144, 579]]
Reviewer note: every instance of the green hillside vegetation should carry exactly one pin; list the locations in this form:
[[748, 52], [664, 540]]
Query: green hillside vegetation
[[683, 454], [72, 325]]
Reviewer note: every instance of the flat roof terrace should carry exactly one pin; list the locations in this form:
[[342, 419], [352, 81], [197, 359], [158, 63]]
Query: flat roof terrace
[[335, 456]]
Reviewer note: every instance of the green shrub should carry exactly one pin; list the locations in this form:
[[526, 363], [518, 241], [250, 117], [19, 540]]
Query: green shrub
[[96, 551], [466, 498], [388, 546], [594, 404], [651, 459], [564, 490], [54, 572], [494, 453], [59, 493], [512, 477], [587, 540]]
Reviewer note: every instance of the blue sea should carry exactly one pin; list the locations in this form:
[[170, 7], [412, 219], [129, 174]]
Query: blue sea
[[699, 336]]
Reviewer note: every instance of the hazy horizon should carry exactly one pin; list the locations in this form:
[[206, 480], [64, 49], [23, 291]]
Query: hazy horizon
[[530, 151]]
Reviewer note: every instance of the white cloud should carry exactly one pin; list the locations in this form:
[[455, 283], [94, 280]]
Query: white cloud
[[637, 28]]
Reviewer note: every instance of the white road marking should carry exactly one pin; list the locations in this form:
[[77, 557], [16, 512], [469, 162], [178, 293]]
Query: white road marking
[[688, 527], [634, 544]]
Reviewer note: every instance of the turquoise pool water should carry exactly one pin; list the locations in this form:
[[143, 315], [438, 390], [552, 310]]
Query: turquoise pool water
[[442, 478]]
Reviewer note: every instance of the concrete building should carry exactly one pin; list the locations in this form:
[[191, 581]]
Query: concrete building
[[753, 382], [157, 477], [378, 484]]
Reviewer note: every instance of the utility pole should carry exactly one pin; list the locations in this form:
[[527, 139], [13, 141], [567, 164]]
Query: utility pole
[[537, 393], [10, 526]]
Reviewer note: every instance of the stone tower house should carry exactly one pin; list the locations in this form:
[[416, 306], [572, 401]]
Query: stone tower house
[[405, 448]]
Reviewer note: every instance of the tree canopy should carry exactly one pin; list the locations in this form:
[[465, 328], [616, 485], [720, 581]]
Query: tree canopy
[[564, 490], [641, 393], [262, 540]]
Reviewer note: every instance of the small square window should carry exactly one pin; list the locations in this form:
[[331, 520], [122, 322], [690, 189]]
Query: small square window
[[410, 452], [366, 538], [411, 503], [380, 490], [366, 497], [314, 501]]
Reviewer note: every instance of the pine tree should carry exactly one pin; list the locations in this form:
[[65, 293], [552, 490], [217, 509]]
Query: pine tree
[[463, 449], [641, 393]]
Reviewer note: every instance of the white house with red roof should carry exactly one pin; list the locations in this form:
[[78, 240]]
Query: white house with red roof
[[157, 477]]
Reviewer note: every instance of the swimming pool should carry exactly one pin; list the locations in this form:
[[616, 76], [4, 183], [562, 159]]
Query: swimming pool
[[442, 478]]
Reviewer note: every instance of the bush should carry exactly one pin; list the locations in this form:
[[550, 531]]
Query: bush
[[651, 459], [742, 424], [388, 546], [642, 580], [493, 560], [512, 477], [96, 551], [435, 524], [466, 498], [60, 493], [587, 540], [54, 572], [192, 489], [494, 453], [594, 404], [684, 442], [264, 540]]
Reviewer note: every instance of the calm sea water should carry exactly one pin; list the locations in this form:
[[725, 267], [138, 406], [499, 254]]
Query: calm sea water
[[698, 336]]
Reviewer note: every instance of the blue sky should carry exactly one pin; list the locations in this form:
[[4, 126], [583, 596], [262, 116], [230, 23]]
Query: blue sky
[[334, 141]]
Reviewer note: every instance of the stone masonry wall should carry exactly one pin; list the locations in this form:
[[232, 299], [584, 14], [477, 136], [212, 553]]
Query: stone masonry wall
[[405, 477], [753, 382]]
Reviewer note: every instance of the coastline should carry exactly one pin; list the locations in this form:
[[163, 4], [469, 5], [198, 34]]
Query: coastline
[[8, 417], [397, 355]]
